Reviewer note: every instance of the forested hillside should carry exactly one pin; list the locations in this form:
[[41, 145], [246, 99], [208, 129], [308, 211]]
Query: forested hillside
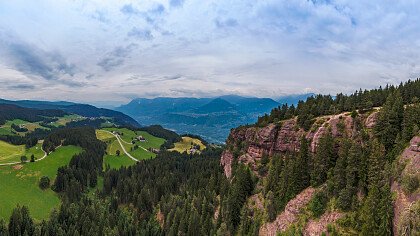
[[8, 112], [342, 170], [74, 108], [335, 159]]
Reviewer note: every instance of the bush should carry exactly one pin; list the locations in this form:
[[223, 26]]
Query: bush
[[410, 183], [318, 203], [410, 221], [23, 159], [44, 182]]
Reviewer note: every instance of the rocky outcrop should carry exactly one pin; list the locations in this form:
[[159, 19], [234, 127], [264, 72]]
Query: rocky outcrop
[[317, 227], [371, 120], [226, 161], [288, 138], [404, 201], [289, 215], [255, 142]]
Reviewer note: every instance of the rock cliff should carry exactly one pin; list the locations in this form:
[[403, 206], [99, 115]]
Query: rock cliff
[[249, 144], [410, 159]]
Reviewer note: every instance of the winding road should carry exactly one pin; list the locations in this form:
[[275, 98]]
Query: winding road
[[19, 162], [131, 143], [122, 146]]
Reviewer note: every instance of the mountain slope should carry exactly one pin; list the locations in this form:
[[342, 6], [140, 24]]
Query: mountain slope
[[75, 108], [348, 148], [212, 118]]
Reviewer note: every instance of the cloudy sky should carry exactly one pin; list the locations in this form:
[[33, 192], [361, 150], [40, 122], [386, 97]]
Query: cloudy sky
[[106, 51]]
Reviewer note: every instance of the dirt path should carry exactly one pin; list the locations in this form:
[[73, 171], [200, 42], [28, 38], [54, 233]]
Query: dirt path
[[131, 143], [19, 162], [122, 146]]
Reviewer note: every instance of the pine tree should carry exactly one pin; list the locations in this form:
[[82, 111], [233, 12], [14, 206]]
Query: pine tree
[[340, 167], [376, 213], [369, 215], [302, 164], [376, 163], [324, 159], [386, 212], [3, 229], [389, 121], [345, 199], [20, 222]]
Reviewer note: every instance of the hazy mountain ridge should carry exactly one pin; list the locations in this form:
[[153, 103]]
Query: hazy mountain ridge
[[211, 118], [76, 108]]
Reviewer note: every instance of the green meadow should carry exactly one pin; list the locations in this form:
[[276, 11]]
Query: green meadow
[[19, 184], [12, 153], [127, 137], [6, 129], [62, 121], [185, 144]]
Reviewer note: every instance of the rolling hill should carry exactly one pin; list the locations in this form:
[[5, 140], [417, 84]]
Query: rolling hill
[[75, 108]]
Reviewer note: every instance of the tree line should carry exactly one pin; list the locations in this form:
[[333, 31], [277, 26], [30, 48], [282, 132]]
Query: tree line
[[82, 171], [319, 105]]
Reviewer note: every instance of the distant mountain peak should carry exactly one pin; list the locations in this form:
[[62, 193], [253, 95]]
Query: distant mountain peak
[[216, 105]]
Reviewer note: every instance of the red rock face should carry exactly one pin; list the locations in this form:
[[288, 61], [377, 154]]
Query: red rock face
[[226, 161], [339, 125], [274, 139], [403, 201], [371, 120], [289, 215], [288, 138]]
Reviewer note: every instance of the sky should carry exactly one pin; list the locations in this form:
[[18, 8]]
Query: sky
[[113, 51]]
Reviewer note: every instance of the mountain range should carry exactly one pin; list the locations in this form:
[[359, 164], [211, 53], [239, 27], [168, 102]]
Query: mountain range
[[211, 118], [76, 108]]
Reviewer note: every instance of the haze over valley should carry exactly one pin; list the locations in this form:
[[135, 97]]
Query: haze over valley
[[225, 118]]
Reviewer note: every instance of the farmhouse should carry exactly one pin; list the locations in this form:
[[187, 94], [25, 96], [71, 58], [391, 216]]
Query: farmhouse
[[154, 150], [141, 138]]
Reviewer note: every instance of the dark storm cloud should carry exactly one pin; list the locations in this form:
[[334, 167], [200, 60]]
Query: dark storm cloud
[[33, 61], [109, 63], [116, 57], [21, 87]]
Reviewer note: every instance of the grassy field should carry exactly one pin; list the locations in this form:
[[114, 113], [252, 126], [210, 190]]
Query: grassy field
[[185, 144], [12, 153], [128, 136], [62, 121], [103, 135], [19, 184], [111, 159], [9, 152], [117, 162], [6, 129]]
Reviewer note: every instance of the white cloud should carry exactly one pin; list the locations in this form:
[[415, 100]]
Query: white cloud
[[261, 48]]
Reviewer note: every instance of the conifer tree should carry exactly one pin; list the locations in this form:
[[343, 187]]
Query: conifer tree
[[390, 119], [323, 160], [302, 164], [339, 179]]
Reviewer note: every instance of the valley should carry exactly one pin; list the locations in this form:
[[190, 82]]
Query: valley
[[321, 167], [23, 162]]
